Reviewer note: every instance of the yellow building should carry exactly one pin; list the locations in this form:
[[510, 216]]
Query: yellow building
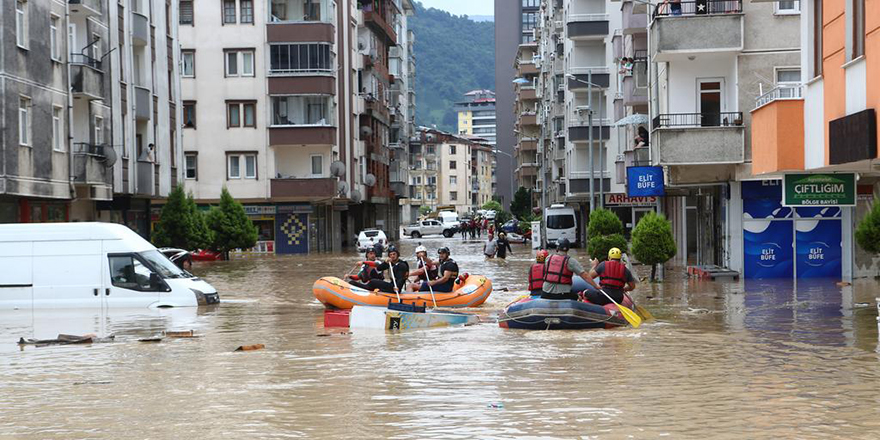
[[476, 115]]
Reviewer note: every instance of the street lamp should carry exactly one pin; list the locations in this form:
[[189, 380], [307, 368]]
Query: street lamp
[[590, 85]]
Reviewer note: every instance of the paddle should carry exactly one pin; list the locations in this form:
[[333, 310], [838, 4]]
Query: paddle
[[428, 277], [631, 317], [396, 290]]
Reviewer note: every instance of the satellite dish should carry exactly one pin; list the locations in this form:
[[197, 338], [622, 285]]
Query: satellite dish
[[366, 131], [369, 180], [109, 157], [341, 187], [337, 169], [362, 43], [356, 196], [429, 137]]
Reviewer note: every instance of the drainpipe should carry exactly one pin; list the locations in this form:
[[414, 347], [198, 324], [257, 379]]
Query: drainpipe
[[71, 177], [590, 127]]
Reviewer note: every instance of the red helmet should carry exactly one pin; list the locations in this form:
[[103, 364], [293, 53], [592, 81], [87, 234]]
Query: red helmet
[[541, 255]]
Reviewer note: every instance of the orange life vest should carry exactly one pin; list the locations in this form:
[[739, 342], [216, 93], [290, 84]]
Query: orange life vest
[[614, 275], [556, 270], [536, 277]]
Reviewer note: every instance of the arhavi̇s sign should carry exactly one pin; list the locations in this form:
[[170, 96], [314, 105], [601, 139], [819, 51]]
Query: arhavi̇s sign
[[644, 181], [819, 190]]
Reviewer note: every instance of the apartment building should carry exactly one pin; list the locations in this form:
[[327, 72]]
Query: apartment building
[[818, 126], [290, 105], [93, 87], [476, 115]]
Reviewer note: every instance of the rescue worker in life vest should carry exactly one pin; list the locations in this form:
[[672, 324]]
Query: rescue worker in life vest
[[367, 268], [448, 273], [536, 273], [614, 278], [559, 269], [399, 269], [425, 270]]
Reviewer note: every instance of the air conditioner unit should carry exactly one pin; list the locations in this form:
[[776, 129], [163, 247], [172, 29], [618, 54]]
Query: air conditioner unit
[[557, 24]]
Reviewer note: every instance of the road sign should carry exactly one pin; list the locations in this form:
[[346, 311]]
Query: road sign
[[819, 190]]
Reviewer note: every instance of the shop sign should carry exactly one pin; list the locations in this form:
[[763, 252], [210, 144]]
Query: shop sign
[[259, 210], [644, 181], [294, 209], [819, 190], [624, 200]]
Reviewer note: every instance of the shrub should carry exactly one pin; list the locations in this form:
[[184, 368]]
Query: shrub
[[425, 210], [522, 202], [599, 246], [493, 205], [652, 241], [181, 224], [604, 222], [868, 232], [232, 227]]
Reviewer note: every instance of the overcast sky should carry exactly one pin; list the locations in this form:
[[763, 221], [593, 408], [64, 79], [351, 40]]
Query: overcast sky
[[463, 7]]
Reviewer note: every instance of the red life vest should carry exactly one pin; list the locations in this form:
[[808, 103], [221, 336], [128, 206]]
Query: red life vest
[[536, 277], [556, 270], [614, 275]]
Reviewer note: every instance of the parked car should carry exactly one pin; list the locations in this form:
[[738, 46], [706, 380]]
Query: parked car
[[422, 228], [510, 226], [369, 237]]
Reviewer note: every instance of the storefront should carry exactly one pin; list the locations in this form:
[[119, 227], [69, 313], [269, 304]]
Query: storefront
[[292, 228], [630, 209]]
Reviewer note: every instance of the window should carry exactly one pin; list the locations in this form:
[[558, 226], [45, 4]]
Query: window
[[858, 29], [186, 12], [241, 114], [788, 7], [247, 11], [452, 164], [817, 38], [529, 19], [302, 110], [297, 10], [300, 58], [453, 180], [99, 130], [452, 149], [317, 165], [21, 24], [55, 51], [189, 63], [430, 149], [192, 166], [24, 121], [240, 63], [788, 76], [453, 195], [189, 114], [57, 128], [128, 272], [228, 11], [530, 3], [234, 166]]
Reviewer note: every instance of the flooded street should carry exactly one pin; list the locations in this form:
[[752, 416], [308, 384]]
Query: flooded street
[[718, 362]]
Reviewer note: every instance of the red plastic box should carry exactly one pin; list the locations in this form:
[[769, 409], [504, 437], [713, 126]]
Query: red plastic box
[[336, 318]]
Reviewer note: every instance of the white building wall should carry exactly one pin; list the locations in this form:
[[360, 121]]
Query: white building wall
[[682, 94], [814, 125]]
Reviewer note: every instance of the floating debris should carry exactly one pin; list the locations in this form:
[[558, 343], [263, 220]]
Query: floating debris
[[63, 339], [250, 347], [183, 334], [151, 339]]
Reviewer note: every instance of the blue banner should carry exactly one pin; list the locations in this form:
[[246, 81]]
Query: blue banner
[[767, 249], [292, 233], [644, 181], [819, 249]]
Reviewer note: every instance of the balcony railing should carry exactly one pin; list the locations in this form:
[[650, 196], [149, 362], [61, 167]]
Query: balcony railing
[[780, 92], [675, 120], [85, 60], [704, 7]]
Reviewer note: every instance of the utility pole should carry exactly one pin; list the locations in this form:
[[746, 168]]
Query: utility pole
[[590, 126]]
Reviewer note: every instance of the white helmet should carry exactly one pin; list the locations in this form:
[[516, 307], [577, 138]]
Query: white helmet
[[421, 249]]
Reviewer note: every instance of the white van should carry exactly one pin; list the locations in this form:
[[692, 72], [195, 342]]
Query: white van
[[449, 219], [560, 222], [86, 265]]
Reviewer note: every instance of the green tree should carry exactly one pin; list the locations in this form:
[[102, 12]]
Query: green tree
[[652, 241], [181, 225], [521, 205], [425, 210], [605, 231], [492, 205], [868, 231], [231, 225]]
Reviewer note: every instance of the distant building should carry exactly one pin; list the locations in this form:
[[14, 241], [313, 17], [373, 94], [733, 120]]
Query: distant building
[[476, 115]]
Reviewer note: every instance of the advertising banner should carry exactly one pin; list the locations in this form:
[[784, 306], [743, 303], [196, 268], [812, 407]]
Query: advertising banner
[[644, 181], [818, 249], [768, 250], [819, 190], [624, 200]]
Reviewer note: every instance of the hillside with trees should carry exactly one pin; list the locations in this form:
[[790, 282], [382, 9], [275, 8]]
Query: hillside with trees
[[454, 55]]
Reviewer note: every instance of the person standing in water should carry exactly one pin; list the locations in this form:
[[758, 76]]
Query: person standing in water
[[489, 247], [503, 246]]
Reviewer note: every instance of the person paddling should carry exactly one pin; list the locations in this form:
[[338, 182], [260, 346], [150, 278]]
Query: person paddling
[[394, 264], [614, 278], [425, 269], [536, 273], [559, 269], [448, 274], [367, 268]]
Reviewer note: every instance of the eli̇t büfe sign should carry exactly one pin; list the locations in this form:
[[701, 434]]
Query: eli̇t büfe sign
[[644, 181], [819, 190]]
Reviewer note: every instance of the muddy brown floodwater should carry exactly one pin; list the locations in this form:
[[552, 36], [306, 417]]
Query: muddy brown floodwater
[[723, 360]]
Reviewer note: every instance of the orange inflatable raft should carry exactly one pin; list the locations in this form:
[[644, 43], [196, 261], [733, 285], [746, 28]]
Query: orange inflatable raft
[[334, 292]]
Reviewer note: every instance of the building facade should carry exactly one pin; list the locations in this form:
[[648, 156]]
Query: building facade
[[820, 125], [303, 123], [92, 96], [476, 115]]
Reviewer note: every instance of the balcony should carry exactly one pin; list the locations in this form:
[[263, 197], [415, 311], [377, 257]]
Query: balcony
[[84, 8], [92, 169], [526, 67], [583, 76], [581, 133], [634, 22], [299, 190], [696, 28], [587, 26], [528, 144], [698, 138], [144, 178], [300, 32], [632, 94], [778, 131], [86, 78], [140, 29], [376, 21], [528, 119], [527, 93], [142, 103], [302, 135]]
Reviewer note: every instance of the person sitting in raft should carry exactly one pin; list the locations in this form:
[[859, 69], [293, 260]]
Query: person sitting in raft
[[425, 268], [399, 272], [559, 269], [536, 273], [449, 273], [614, 278], [367, 268]]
